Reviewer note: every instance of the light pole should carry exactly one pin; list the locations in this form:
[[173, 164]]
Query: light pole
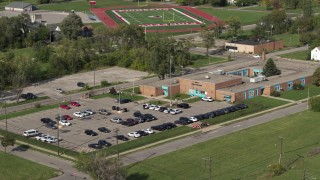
[[94, 76], [268, 40], [281, 142], [271, 29], [116, 131], [119, 98], [58, 133], [170, 81], [234, 45], [133, 88]]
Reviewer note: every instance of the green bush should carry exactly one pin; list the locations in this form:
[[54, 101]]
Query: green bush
[[37, 105], [297, 86], [314, 103], [275, 94], [87, 87], [277, 169], [104, 83]]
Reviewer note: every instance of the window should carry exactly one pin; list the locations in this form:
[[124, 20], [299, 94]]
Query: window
[[251, 93], [290, 85], [303, 81], [277, 88], [257, 92]]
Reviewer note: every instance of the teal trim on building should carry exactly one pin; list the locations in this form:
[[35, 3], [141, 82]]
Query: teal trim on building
[[244, 73], [195, 92], [256, 72], [244, 95], [277, 87], [250, 93], [165, 90], [290, 85], [303, 81]]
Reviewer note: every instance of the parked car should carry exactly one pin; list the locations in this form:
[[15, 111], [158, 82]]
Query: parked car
[[140, 120], [166, 111], [182, 122], [149, 131], [28, 96], [207, 99], [95, 146], [133, 134], [90, 132], [39, 136], [80, 84], [67, 117], [161, 109], [159, 127], [51, 126], [30, 133], [137, 114], [89, 111], [169, 125], [51, 140], [63, 106], [175, 111], [183, 105], [122, 138], [64, 123], [256, 56], [104, 129], [47, 120], [157, 108], [122, 101], [145, 106], [129, 122], [194, 119], [117, 120], [152, 107], [104, 143], [104, 112], [79, 114], [73, 103], [142, 133], [59, 90]]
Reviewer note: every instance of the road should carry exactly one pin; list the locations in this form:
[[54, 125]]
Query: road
[[220, 131], [69, 172]]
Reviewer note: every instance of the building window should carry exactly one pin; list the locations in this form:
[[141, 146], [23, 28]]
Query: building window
[[257, 92], [303, 81], [290, 85], [251, 93], [277, 88]]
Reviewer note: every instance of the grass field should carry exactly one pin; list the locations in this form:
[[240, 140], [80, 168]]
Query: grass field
[[201, 61], [16, 168], [290, 40], [301, 94], [23, 52], [243, 155], [300, 55], [123, 96], [256, 104], [246, 17]]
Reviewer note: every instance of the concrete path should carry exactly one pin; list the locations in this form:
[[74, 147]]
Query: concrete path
[[218, 131], [65, 166]]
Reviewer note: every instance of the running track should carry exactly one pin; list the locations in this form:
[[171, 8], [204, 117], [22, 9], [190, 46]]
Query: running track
[[108, 21]]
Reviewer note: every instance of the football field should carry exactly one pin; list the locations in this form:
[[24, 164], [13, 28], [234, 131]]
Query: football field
[[154, 17]]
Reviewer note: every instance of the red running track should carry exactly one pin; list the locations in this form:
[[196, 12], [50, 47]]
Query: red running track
[[107, 20]]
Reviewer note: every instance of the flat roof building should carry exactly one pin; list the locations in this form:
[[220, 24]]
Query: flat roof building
[[19, 7], [253, 46]]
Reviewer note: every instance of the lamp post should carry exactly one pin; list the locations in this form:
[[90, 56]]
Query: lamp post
[[268, 40], [234, 50], [116, 131], [94, 76], [281, 142], [58, 134], [170, 81]]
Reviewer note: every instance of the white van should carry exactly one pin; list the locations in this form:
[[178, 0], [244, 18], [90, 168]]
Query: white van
[[31, 132]]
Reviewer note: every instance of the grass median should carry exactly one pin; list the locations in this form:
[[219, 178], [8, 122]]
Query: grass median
[[301, 94], [25, 102], [122, 96]]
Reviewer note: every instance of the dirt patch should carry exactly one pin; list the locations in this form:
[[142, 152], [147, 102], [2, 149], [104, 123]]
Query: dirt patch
[[314, 152]]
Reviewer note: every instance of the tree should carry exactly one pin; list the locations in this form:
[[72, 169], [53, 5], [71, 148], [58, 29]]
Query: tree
[[234, 26], [219, 3], [314, 103], [100, 167], [307, 10], [7, 141], [316, 77], [71, 26], [208, 39], [270, 69]]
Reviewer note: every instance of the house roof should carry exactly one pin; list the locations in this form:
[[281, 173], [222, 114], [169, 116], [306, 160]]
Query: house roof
[[19, 5]]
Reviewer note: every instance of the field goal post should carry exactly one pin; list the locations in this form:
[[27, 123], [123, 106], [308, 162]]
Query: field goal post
[[142, 4], [167, 20]]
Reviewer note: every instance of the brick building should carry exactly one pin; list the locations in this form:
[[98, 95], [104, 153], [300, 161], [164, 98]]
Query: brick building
[[253, 47]]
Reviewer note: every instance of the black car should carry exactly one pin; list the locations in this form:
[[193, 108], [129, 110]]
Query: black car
[[182, 122], [142, 133], [161, 109], [159, 127], [103, 142], [80, 84], [183, 105], [123, 101], [95, 146], [137, 114], [169, 125], [47, 121], [186, 120], [51, 126], [122, 138], [129, 122], [104, 129], [28, 96], [90, 132]]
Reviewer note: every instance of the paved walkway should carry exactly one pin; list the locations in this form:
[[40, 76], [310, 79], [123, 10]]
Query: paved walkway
[[282, 99]]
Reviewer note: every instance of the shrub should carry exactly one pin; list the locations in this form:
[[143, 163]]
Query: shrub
[[275, 94], [277, 169], [104, 83], [87, 87], [314, 103], [297, 86], [37, 105]]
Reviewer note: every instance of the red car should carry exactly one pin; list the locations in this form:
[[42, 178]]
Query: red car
[[67, 117], [63, 106], [72, 103]]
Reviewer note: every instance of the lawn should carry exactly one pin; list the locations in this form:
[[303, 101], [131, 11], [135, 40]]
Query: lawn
[[299, 55], [256, 104], [246, 17], [123, 96], [301, 94], [14, 167], [23, 52], [157, 102], [290, 40], [24, 102], [201, 61], [243, 155], [178, 96], [192, 100]]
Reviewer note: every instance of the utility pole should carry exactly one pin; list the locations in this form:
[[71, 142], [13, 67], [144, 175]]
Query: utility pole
[[170, 82], [208, 163], [281, 142]]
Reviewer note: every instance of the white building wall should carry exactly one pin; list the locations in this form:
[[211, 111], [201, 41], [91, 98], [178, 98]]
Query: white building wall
[[315, 54]]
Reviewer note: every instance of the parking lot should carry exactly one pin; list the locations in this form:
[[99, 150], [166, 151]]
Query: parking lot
[[74, 137]]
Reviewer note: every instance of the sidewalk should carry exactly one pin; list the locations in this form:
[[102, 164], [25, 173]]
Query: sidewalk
[[279, 98]]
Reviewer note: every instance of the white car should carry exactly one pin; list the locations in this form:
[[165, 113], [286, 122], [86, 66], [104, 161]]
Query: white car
[[59, 90], [149, 131], [157, 108], [194, 119], [79, 114], [175, 111], [152, 107], [133, 134], [44, 138], [116, 120], [168, 110], [41, 136], [85, 113], [51, 140], [64, 123], [256, 56], [207, 99]]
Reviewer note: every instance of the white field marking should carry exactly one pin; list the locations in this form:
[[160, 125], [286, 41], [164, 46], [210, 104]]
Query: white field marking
[[187, 16], [133, 17], [183, 19], [122, 18]]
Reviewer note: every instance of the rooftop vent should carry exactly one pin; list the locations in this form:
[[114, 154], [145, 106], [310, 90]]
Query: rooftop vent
[[207, 77]]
